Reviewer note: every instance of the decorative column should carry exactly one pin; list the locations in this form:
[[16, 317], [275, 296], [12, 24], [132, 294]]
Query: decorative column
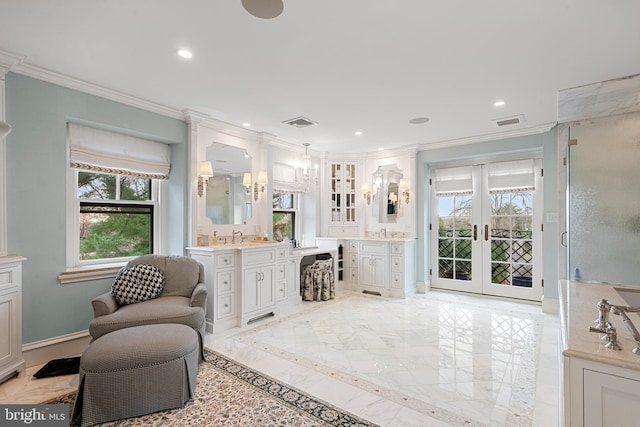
[[194, 119], [7, 61]]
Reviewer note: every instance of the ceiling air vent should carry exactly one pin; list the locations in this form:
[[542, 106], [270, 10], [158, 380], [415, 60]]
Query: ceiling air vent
[[300, 122], [509, 121]]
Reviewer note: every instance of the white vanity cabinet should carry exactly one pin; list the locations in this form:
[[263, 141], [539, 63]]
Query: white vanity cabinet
[[343, 194], [220, 268], [11, 360], [381, 266], [246, 282], [372, 266], [601, 386], [601, 395]]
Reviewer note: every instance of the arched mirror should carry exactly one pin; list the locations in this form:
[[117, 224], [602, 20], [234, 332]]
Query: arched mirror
[[386, 200], [229, 190]]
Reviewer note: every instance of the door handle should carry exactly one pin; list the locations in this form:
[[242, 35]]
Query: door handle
[[475, 232], [486, 232], [563, 238]]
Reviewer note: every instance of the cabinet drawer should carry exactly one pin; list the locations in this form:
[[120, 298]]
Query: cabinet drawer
[[397, 249], [281, 291], [397, 281], [281, 271], [264, 256], [396, 263], [341, 231], [7, 277], [372, 247], [225, 260], [353, 275], [282, 253], [225, 281], [353, 261], [225, 306]]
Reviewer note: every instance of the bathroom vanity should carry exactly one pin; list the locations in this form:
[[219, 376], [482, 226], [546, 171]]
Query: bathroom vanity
[[601, 385], [379, 266], [247, 281]]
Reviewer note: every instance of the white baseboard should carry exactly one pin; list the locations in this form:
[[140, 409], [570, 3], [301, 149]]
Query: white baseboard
[[550, 305], [423, 287], [39, 352]]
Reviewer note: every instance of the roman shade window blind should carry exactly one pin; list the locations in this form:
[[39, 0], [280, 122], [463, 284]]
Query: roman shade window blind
[[286, 179], [513, 176], [453, 181], [101, 151]]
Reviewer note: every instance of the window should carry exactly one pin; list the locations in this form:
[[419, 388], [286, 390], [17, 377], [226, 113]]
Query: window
[[116, 216], [114, 209], [284, 216]]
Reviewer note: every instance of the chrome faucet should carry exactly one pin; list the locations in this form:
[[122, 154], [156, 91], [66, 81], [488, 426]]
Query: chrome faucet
[[383, 233], [622, 312], [235, 233], [603, 314]]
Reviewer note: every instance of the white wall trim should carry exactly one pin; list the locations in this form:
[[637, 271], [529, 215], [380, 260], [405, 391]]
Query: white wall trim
[[423, 287], [545, 127], [93, 89], [550, 305], [39, 352]]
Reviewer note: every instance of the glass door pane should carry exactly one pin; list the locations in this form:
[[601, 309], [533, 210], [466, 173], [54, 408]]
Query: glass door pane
[[457, 266], [603, 202]]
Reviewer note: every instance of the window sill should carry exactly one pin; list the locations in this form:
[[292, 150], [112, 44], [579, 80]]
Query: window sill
[[91, 272]]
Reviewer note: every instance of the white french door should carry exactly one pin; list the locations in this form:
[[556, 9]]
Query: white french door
[[486, 228]]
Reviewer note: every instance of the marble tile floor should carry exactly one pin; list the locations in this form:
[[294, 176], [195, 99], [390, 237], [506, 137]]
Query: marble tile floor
[[441, 358], [436, 359]]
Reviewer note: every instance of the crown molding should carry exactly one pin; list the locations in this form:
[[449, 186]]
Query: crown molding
[[8, 61], [93, 89], [545, 127]]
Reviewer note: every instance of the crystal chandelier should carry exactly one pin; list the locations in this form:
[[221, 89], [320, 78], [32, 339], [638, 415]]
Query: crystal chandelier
[[309, 174]]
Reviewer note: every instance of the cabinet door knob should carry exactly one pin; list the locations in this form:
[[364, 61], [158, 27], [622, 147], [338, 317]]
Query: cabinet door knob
[[226, 305]]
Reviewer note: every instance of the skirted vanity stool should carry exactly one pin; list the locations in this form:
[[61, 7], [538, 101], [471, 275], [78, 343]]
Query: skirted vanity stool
[[317, 282]]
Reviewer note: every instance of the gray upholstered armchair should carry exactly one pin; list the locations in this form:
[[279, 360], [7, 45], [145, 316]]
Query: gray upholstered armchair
[[182, 300]]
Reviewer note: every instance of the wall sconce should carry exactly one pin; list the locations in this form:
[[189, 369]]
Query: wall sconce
[[246, 181], [404, 188], [205, 172], [5, 129], [261, 182], [393, 198], [366, 193]]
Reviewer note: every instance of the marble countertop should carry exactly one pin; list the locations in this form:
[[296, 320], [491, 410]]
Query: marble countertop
[[374, 239], [577, 313], [250, 244], [7, 259]]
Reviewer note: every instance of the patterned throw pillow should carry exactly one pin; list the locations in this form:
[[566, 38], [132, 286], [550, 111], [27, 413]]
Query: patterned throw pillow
[[139, 283]]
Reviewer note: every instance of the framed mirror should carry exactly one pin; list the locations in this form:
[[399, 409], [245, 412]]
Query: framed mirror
[[229, 190], [386, 200]]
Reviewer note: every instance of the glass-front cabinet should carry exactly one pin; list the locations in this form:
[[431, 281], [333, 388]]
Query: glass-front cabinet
[[342, 197]]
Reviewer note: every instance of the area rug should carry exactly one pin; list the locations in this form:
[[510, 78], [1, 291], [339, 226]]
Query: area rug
[[232, 394]]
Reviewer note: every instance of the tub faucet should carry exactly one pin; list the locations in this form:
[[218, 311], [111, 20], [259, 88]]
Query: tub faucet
[[603, 314]]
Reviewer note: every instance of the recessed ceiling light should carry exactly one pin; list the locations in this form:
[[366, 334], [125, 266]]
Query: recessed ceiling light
[[358, 133], [498, 103], [380, 149], [246, 124], [184, 53], [419, 120]]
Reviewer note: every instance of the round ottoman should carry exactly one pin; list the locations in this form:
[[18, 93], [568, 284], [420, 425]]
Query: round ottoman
[[136, 371]]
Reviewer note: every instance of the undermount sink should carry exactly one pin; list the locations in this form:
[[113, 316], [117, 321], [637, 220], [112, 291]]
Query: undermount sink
[[630, 296]]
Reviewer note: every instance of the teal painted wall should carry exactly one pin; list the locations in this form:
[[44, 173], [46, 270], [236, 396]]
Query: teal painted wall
[[545, 142], [37, 188]]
